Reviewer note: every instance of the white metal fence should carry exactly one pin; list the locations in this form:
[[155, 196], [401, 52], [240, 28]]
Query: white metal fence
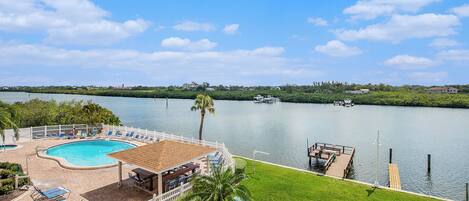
[[42, 132], [173, 194], [228, 158]]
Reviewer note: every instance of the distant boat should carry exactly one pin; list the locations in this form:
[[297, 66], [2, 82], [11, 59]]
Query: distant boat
[[269, 99], [345, 103]]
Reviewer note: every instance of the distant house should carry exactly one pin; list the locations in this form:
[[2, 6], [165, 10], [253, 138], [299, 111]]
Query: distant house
[[360, 91], [209, 89], [190, 86], [442, 90]]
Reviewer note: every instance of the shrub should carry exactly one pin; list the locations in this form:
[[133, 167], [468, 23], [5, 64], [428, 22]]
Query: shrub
[[240, 165], [6, 174], [23, 181], [6, 189], [11, 166], [6, 182]]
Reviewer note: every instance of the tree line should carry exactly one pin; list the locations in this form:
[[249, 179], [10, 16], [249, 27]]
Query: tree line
[[41, 112]]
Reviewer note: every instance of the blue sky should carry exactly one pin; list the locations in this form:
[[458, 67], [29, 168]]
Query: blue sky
[[103, 42]]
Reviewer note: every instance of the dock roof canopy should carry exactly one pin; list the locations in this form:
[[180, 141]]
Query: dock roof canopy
[[162, 156]]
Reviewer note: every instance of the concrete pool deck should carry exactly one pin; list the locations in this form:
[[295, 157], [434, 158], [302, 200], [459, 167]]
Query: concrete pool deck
[[100, 184]]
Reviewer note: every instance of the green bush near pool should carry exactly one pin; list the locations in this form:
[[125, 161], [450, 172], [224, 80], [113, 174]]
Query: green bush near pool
[[7, 177]]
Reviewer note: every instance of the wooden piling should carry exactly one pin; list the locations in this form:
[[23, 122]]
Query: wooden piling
[[390, 155], [429, 162], [467, 191]]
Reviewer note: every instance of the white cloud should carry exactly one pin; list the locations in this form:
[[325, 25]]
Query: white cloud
[[462, 11], [454, 55], [231, 28], [67, 22], [337, 48], [407, 62], [428, 76], [187, 44], [317, 21], [444, 43], [370, 9], [101, 32], [194, 26], [401, 27], [264, 65], [268, 51]]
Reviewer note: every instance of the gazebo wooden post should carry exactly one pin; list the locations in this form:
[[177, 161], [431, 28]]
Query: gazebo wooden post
[[160, 183], [120, 173]]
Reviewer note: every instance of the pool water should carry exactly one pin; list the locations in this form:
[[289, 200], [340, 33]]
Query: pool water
[[89, 153], [7, 146]]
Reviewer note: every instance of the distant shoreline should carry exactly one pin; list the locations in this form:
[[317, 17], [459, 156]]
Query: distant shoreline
[[393, 98]]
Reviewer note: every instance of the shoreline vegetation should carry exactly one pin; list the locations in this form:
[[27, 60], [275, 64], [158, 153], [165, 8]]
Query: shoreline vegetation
[[37, 112], [326, 92]]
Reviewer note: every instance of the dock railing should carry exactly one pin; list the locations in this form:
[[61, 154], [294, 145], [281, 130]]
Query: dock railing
[[329, 162], [341, 148]]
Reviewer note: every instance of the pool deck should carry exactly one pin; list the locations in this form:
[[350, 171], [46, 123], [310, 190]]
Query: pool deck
[[90, 185]]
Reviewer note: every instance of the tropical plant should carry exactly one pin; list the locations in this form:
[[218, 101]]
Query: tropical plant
[[7, 123], [205, 104], [222, 185], [38, 112]]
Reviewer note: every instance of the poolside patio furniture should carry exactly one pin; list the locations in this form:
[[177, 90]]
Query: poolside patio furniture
[[109, 133], [57, 193], [144, 177], [131, 134], [53, 135], [215, 159], [136, 137], [173, 162]]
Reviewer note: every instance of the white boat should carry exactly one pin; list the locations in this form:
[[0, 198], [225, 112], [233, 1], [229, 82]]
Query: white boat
[[269, 99]]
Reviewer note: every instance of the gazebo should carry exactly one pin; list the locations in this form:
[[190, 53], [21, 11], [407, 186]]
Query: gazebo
[[164, 160]]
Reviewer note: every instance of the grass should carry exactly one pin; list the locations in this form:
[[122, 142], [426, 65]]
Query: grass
[[272, 183]]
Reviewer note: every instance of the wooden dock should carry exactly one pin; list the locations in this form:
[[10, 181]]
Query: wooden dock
[[394, 178], [338, 158]]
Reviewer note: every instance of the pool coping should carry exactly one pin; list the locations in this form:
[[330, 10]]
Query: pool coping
[[67, 165]]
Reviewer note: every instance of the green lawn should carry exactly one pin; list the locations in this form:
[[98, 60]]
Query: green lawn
[[276, 183]]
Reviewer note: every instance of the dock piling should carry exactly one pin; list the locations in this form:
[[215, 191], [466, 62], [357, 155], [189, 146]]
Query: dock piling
[[429, 162], [390, 155], [467, 191]]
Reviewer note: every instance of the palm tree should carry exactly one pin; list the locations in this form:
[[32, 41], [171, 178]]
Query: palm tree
[[203, 103], [221, 185], [6, 123], [92, 112]]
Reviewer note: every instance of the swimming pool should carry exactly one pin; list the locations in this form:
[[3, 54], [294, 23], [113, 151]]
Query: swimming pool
[[88, 153]]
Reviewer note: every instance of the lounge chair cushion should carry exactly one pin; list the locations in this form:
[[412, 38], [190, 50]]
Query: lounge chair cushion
[[55, 192]]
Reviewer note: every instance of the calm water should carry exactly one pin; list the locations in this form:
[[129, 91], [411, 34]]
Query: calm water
[[90, 152], [282, 129]]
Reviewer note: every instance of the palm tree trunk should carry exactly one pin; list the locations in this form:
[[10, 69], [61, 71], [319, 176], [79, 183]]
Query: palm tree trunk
[[202, 115]]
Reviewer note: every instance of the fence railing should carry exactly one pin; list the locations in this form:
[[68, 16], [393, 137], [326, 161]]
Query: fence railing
[[40, 132], [52, 131], [162, 136], [173, 194]]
